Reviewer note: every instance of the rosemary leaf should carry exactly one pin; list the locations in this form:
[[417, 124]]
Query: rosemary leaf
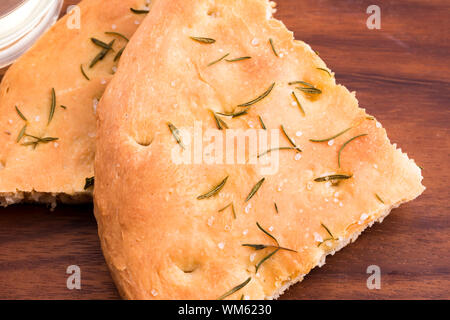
[[307, 84], [64, 107], [298, 103], [89, 183], [235, 289], [333, 177], [21, 114], [290, 139], [235, 114], [119, 54], [325, 70], [231, 204], [21, 133], [276, 207], [52, 107], [215, 190], [267, 233], [101, 44], [203, 40], [331, 138], [218, 60], [137, 11], [176, 135], [257, 247], [345, 144], [265, 259], [310, 90], [379, 198], [262, 123], [84, 73], [265, 94], [277, 149], [328, 230], [237, 59], [255, 189], [112, 33], [273, 47], [219, 122]]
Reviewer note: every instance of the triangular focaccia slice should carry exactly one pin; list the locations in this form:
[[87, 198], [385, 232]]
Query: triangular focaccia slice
[[172, 230], [47, 169]]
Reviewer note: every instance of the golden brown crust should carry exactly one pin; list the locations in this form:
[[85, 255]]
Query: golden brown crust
[[159, 241], [54, 62]]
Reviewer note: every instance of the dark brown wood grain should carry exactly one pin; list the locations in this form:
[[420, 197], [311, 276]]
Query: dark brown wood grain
[[401, 75]]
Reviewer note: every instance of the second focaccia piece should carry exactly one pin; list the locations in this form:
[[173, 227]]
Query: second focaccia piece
[[176, 225], [48, 99]]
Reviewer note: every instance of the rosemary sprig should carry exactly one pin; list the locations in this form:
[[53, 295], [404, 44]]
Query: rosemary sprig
[[176, 135], [265, 94], [331, 138], [298, 103], [203, 40], [52, 107], [255, 189], [333, 177], [235, 289], [101, 54], [119, 54], [345, 144], [101, 44], [325, 70], [273, 47], [379, 198], [262, 123], [231, 204], [237, 59], [329, 233], [137, 11], [258, 247], [84, 73], [291, 141], [113, 33], [277, 149], [215, 190], [21, 114], [218, 60], [21, 133], [89, 183]]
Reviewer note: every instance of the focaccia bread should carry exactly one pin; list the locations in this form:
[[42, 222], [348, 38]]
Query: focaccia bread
[[47, 150], [176, 226]]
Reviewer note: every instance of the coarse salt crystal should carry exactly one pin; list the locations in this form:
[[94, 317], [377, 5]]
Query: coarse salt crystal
[[331, 142], [255, 42], [247, 208], [299, 133], [245, 232], [271, 228], [252, 257], [221, 245], [154, 293], [298, 156]]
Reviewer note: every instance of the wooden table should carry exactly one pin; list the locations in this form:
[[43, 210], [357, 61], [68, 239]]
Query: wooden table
[[402, 76]]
